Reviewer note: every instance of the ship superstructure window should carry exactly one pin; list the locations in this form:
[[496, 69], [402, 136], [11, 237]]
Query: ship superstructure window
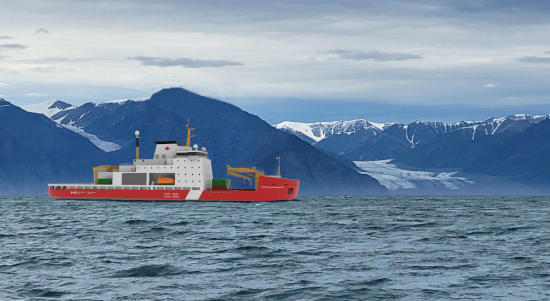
[[188, 154]]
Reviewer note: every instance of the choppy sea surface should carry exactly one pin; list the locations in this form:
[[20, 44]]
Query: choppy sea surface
[[315, 248]]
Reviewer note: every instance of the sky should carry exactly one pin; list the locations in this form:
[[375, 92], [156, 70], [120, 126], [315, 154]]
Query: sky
[[385, 61]]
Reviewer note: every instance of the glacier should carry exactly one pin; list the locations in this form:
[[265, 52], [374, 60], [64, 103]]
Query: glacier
[[106, 146], [395, 178]]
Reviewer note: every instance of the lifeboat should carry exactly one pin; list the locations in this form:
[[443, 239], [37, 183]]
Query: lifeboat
[[165, 181]]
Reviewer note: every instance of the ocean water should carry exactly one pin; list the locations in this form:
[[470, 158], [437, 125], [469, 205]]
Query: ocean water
[[315, 248]]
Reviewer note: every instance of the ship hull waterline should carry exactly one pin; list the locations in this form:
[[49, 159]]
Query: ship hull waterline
[[272, 189]]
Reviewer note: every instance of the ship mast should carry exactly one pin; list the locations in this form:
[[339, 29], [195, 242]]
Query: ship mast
[[188, 134], [137, 145]]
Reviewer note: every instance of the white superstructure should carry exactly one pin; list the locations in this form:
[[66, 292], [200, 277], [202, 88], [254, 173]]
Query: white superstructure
[[189, 168]]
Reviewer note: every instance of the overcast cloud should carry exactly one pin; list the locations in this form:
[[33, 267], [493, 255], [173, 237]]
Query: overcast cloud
[[535, 59], [480, 55], [13, 46], [182, 62], [371, 55], [42, 30]]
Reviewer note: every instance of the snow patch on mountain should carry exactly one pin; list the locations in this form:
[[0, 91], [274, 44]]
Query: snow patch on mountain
[[395, 178], [318, 131], [121, 101], [304, 128]]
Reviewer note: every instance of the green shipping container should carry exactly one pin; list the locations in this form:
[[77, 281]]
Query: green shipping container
[[104, 181], [222, 182]]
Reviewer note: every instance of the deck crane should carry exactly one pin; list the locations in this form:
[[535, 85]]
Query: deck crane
[[246, 173]]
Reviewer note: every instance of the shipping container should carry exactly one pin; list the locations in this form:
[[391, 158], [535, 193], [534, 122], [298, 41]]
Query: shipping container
[[104, 181], [219, 182]]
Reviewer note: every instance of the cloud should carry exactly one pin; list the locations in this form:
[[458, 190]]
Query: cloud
[[47, 60], [43, 69], [5, 37], [535, 59], [42, 30], [183, 62], [371, 55], [489, 86], [13, 46], [36, 94]]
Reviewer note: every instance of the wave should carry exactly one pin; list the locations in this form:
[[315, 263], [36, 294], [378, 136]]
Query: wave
[[137, 221], [153, 270]]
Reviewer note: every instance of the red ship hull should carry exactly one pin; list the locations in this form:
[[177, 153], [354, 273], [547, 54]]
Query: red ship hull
[[269, 189]]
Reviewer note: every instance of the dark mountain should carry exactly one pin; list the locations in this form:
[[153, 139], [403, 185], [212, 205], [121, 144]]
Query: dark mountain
[[58, 104], [101, 119], [299, 135], [237, 138], [524, 157], [35, 150], [454, 150], [231, 136], [395, 141]]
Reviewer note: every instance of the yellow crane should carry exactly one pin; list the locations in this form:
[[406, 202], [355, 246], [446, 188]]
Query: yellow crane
[[189, 129], [245, 173]]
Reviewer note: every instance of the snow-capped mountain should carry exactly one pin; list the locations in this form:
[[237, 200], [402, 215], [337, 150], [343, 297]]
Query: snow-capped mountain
[[65, 115], [433, 154], [48, 107], [421, 144], [318, 131]]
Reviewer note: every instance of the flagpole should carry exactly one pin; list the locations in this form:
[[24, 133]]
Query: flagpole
[[279, 170]]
